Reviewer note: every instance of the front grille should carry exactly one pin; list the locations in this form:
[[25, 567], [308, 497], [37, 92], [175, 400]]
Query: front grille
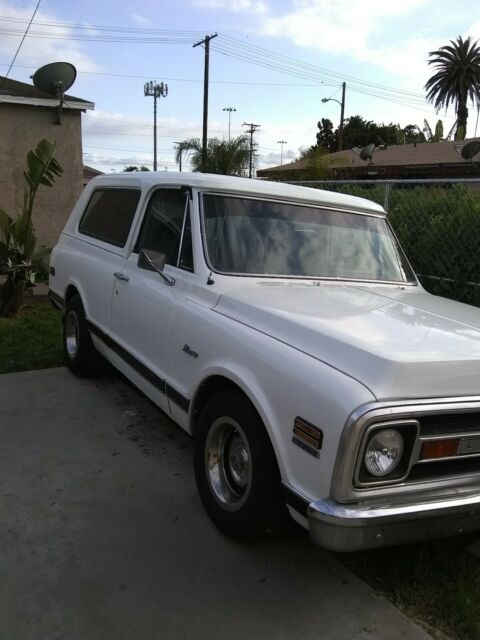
[[444, 469], [449, 423], [441, 425]]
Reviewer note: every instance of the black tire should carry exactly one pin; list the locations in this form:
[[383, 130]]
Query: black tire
[[80, 355], [253, 505]]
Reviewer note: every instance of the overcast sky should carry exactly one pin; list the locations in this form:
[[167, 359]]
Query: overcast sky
[[273, 61]]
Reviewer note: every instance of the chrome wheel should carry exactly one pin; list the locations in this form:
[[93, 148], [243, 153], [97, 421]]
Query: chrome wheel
[[228, 463], [71, 334]]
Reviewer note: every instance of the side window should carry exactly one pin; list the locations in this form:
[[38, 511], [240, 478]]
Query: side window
[[109, 215], [163, 226]]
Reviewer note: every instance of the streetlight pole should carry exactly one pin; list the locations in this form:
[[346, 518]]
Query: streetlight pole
[[229, 109], [281, 142], [157, 91], [342, 114]]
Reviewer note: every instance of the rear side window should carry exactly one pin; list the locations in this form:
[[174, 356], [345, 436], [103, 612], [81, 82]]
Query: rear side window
[[109, 214]]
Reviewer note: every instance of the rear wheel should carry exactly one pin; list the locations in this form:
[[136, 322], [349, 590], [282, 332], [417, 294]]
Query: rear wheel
[[80, 355], [235, 468]]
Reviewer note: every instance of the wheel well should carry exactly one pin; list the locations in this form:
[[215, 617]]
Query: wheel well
[[70, 292], [213, 385], [210, 387]]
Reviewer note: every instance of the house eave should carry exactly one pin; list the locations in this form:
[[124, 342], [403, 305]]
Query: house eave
[[47, 102]]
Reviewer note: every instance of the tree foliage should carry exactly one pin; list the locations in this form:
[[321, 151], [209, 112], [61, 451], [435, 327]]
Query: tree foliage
[[358, 132], [413, 133], [326, 135], [17, 234], [456, 79], [133, 167], [226, 157]]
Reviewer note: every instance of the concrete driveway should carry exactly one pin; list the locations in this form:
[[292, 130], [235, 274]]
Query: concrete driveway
[[103, 537]]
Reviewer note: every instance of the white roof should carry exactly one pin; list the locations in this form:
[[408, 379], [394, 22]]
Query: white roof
[[245, 186]]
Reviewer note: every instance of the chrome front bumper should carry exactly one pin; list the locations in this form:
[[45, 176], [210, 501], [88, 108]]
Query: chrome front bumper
[[344, 527]]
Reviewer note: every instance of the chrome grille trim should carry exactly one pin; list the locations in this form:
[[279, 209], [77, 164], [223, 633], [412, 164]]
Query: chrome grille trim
[[342, 486]]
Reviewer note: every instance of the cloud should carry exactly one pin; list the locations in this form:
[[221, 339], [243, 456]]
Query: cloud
[[139, 19], [236, 6], [39, 51], [337, 26], [473, 31]]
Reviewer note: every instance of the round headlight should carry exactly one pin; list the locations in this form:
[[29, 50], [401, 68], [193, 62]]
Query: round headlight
[[384, 452]]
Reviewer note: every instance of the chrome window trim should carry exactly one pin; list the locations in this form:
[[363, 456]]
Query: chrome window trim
[[201, 193], [342, 485], [187, 211]]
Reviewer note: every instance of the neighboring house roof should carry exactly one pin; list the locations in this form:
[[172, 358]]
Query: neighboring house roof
[[15, 92], [399, 155], [90, 172]]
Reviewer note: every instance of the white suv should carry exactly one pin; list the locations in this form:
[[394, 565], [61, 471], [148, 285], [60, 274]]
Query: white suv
[[285, 330]]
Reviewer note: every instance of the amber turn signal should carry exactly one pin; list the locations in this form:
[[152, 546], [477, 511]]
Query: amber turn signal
[[439, 449]]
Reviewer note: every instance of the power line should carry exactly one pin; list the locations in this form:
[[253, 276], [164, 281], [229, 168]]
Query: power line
[[20, 45], [233, 47], [194, 80], [261, 52]]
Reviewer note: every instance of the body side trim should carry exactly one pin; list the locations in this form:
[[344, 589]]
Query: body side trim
[[296, 501], [161, 385]]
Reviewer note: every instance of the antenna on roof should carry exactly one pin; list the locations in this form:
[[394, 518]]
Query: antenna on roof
[[55, 79], [468, 151]]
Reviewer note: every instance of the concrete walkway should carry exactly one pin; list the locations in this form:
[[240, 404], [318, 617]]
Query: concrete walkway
[[102, 535]]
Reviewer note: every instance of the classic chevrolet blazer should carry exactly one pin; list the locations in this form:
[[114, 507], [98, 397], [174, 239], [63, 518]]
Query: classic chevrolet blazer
[[284, 329]]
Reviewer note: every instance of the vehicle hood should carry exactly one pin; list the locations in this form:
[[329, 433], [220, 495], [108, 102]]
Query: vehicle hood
[[400, 342]]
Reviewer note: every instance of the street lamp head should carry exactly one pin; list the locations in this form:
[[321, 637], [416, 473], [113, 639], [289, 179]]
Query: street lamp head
[[325, 100]]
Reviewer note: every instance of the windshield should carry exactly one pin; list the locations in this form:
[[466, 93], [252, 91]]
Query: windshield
[[262, 237]]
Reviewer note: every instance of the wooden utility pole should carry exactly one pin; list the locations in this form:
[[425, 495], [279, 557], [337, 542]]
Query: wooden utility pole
[[252, 128], [342, 115], [206, 42]]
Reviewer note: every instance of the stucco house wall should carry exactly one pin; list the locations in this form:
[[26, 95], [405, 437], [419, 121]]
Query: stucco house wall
[[26, 117]]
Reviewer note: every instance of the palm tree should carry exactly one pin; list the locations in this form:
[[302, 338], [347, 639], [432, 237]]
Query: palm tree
[[227, 157], [457, 79]]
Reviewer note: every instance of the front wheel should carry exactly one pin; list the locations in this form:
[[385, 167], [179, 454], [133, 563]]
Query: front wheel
[[235, 468]]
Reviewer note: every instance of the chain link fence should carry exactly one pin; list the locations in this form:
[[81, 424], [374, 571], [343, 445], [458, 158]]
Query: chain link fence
[[438, 225]]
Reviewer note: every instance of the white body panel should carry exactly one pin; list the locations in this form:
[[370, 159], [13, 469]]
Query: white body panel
[[314, 349]]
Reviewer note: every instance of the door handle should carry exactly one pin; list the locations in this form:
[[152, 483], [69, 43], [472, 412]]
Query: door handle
[[121, 276]]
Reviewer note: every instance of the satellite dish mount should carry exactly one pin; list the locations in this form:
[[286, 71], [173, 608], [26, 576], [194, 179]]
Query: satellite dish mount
[[55, 79]]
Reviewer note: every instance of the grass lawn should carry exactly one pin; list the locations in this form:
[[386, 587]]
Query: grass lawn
[[436, 582], [33, 339]]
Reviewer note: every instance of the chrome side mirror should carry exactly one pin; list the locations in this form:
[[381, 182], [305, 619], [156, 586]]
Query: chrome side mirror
[[157, 261]]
